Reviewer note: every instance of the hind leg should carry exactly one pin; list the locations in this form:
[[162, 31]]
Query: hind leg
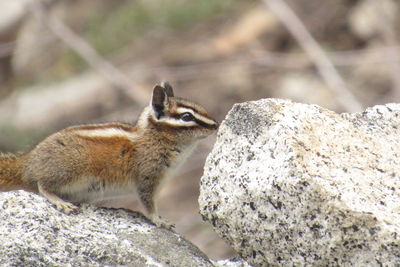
[[62, 205]]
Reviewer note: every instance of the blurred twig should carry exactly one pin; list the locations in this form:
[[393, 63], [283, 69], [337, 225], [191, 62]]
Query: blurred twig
[[316, 53], [339, 58], [263, 59], [389, 37], [88, 53], [6, 49]]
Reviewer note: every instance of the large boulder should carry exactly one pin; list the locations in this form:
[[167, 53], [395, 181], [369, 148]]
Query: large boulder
[[291, 184], [34, 233]]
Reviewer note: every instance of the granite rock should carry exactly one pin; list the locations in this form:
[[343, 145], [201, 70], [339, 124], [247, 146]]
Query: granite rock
[[291, 184], [34, 233], [234, 262]]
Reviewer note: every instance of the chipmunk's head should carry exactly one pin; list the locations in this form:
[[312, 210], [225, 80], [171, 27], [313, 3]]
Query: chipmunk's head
[[176, 116]]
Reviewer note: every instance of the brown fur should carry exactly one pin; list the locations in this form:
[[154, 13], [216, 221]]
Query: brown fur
[[11, 172]]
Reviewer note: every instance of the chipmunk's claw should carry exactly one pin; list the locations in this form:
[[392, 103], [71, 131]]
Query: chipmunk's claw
[[163, 223], [67, 208]]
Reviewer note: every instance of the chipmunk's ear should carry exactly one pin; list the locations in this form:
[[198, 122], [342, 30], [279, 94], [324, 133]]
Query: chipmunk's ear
[[159, 101], [168, 89]]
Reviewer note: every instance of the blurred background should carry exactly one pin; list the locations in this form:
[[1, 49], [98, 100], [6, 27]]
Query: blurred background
[[66, 62]]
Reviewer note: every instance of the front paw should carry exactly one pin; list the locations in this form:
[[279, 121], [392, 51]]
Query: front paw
[[163, 223]]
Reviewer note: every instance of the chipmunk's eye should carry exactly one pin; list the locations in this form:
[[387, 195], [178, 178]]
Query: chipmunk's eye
[[186, 116]]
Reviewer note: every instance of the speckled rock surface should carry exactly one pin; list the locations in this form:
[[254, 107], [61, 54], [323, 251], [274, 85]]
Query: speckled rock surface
[[291, 184], [33, 233], [234, 262]]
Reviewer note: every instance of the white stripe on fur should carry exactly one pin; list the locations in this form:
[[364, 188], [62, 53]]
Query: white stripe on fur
[[176, 122], [107, 132]]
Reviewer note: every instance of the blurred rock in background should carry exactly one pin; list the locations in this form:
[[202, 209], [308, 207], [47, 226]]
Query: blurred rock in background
[[214, 52]]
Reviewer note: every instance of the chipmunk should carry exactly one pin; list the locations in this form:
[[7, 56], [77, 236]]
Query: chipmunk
[[95, 162]]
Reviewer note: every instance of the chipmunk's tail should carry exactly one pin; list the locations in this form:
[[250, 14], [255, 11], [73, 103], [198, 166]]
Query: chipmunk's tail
[[11, 172]]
